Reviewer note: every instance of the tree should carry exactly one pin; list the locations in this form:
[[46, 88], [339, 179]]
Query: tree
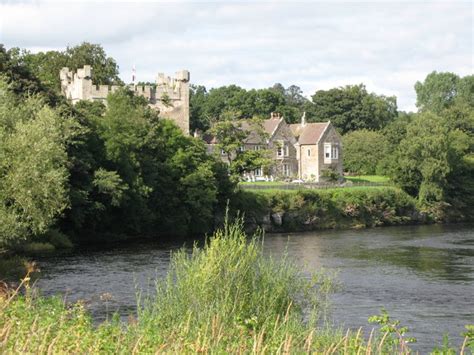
[[352, 108], [426, 156], [33, 174], [364, 151], [46, 65], [437, 92], [451, 97], [105, 69], [231, 136], [198, 117], [21, 79]]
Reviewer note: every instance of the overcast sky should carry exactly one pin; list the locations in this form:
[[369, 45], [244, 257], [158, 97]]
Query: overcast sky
[[388, 46]]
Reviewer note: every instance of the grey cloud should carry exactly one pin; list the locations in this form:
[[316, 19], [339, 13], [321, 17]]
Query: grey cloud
[[315, 45]]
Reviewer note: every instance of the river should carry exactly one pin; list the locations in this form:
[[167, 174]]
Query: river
[[422, 275]]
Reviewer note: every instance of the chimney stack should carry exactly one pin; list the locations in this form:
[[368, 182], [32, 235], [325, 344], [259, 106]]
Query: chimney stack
[[303, 119]]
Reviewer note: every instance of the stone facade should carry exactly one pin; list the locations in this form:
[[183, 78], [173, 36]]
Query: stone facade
[[321, 153], [170, 95], [282, 145], [298, 150]]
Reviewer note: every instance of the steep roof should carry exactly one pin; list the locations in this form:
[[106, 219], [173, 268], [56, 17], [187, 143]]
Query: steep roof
[[309, 133], [269, 127]]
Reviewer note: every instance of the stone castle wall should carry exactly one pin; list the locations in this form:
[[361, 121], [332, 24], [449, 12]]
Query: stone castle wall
[[78, 86]]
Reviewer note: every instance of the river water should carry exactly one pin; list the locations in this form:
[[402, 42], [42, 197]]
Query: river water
[[422, 275]]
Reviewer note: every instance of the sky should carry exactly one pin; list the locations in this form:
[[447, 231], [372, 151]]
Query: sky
[[316, 45]]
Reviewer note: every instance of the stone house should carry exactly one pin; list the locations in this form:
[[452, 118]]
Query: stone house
[[277, 138], [299, 151], [318, 147]]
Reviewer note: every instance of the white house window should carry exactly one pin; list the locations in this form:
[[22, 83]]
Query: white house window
[[279, 151], [258, 172], [335, 152], [309, 152], [331, 152], [257, 147], [286, 169], [327, 153]]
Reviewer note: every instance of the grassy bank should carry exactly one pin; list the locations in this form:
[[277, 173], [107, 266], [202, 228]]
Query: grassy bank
[[354, 207], [226, 297]]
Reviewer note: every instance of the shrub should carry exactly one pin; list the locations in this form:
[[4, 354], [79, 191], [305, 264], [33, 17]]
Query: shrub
[[37, 248], [58, 240]]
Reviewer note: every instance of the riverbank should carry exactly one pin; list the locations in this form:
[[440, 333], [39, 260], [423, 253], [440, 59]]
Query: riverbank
[[275, 210], [304, 210]]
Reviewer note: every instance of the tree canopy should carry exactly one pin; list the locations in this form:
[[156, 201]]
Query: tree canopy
[[46, 65], [352, 108], [33, 166], [364, 151]]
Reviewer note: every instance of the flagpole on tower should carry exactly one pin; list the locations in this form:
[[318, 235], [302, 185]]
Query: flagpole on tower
[[134, 76]]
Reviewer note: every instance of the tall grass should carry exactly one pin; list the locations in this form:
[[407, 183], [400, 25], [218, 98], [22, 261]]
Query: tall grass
[[226, 297]]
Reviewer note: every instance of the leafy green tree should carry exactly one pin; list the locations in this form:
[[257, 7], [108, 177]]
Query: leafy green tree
[[197, 108], [21, 79], [437, 92], [231, 136], [451, 97], [33, 174], [396, 130], [352, 108], [105, 69], [224, 99], [426, 156], [46, 65], [364, 151]]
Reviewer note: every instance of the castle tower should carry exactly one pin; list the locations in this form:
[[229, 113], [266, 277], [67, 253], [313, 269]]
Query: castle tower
[[170, 96]]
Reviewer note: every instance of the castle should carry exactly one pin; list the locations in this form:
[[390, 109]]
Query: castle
[[170, 95]]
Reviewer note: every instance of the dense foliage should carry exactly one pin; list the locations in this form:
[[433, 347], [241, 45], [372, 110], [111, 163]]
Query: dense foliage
[[46, 65], [364, 152], [209, 107], [427, 153], [298, 210], [33, 173], [352, 108], [96, 172], [231, 135]]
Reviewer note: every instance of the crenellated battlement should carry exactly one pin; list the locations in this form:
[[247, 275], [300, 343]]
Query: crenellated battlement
[[78, 86]]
